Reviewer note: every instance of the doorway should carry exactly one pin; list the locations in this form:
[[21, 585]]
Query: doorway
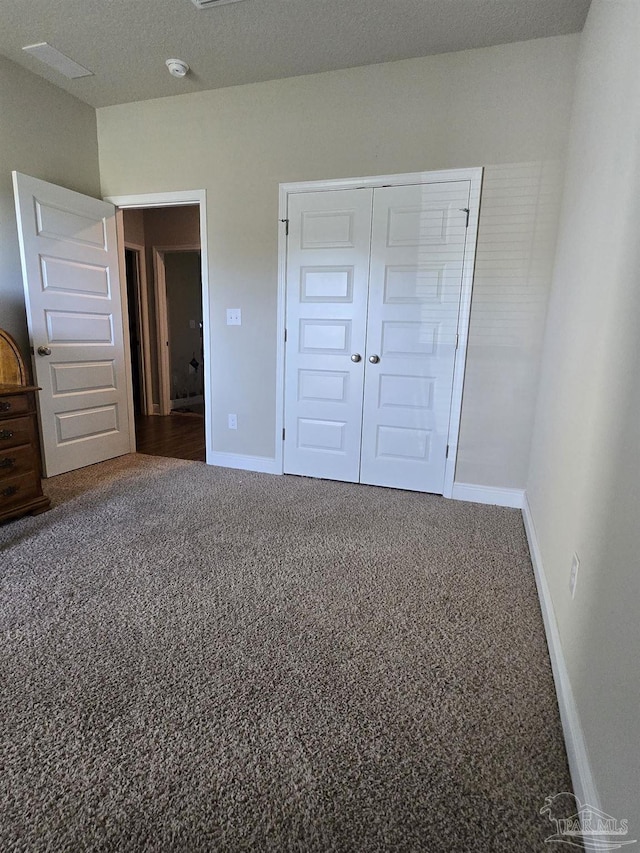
[[163, 267], [132, 259]]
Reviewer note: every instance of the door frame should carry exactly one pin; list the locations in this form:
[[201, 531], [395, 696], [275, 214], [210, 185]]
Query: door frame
[[180, 198], [162, 321], [474, 176], [143, 324]]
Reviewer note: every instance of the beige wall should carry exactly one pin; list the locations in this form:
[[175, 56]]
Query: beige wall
[[172, 226], [133, 226], [495, 106], [584, 477], [46, 133]]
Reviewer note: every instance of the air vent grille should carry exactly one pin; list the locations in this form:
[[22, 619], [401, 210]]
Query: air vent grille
[[207, 4]]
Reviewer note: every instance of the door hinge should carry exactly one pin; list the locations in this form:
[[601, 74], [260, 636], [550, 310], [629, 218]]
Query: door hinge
[[283, 431], [457, 340], [286, 227], [466, 210], [285, 336], [447, 453]]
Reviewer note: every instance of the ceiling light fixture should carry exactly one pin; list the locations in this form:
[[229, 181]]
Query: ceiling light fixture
[[177, 68], [54, 59]]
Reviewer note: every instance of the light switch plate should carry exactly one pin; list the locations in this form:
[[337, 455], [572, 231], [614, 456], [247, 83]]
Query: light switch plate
[[234, 317]]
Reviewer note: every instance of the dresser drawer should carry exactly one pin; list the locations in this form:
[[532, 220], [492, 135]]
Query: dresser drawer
[[15, 431], [17, 460], [16, 405], [18, 490]]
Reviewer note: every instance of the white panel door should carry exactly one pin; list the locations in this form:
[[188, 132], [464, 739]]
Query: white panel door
[[327, 274], [417, 253], [72, 290]]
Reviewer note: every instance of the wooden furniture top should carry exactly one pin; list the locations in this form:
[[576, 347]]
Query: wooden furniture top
[[9, 390], [13, 370]]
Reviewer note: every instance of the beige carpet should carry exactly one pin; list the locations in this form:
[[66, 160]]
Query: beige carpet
[[196, 659]]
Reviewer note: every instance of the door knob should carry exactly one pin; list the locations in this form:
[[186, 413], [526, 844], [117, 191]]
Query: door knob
[[44, 350], [374, 359], [356, 357]]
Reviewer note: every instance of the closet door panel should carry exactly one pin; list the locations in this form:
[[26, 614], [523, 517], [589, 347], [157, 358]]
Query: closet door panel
[[417, 252], [327, 282]]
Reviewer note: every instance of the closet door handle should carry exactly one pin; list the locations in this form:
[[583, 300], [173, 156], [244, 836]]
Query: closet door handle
[[374, 359], [356, 357]]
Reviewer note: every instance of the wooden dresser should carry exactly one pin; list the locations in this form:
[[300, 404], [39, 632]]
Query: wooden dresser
[[20, 471]]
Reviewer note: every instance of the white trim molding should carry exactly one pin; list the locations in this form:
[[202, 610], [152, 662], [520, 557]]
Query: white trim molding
[[584, 786], [488, 495], [261, 464]]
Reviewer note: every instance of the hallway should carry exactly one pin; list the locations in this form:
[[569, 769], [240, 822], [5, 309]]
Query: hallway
[[180, 436]]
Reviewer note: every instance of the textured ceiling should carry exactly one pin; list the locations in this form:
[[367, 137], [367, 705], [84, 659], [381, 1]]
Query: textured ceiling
[[125, 42]]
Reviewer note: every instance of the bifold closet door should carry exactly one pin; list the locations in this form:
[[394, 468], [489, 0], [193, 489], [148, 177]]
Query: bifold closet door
[[374, 278], [417, 253], [327, 283]]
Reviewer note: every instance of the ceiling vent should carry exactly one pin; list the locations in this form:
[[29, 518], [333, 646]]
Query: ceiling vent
[[52, 57], [208, 4]]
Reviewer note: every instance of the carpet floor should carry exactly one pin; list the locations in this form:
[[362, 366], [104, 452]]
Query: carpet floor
[[197, 659]]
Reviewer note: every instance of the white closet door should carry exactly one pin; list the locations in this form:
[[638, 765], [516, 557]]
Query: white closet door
[[327, 274], [418, 240]]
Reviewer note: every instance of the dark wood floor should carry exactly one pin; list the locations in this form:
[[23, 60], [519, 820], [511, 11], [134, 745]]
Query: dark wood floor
[[176, 435]]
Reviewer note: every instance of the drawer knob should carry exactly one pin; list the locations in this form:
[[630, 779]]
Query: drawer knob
[[5, 405], [7, 462], [10, 490], [6, 433]]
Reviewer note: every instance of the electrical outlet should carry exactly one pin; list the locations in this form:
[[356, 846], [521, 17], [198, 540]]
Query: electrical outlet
[[233, 422], [234, 317], [573, 577]]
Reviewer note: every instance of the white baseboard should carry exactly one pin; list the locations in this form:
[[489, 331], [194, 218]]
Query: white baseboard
[[488, 495], [262, 464], [584, 786]]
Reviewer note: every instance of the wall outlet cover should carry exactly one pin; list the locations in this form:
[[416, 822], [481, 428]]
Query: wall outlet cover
[[234, 317], [233, 421]]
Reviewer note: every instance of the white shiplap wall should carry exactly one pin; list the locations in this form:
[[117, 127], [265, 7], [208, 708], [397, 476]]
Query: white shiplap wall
[[514, 260]]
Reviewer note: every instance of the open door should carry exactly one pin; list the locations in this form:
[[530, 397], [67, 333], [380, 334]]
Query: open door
[[74, 312]]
